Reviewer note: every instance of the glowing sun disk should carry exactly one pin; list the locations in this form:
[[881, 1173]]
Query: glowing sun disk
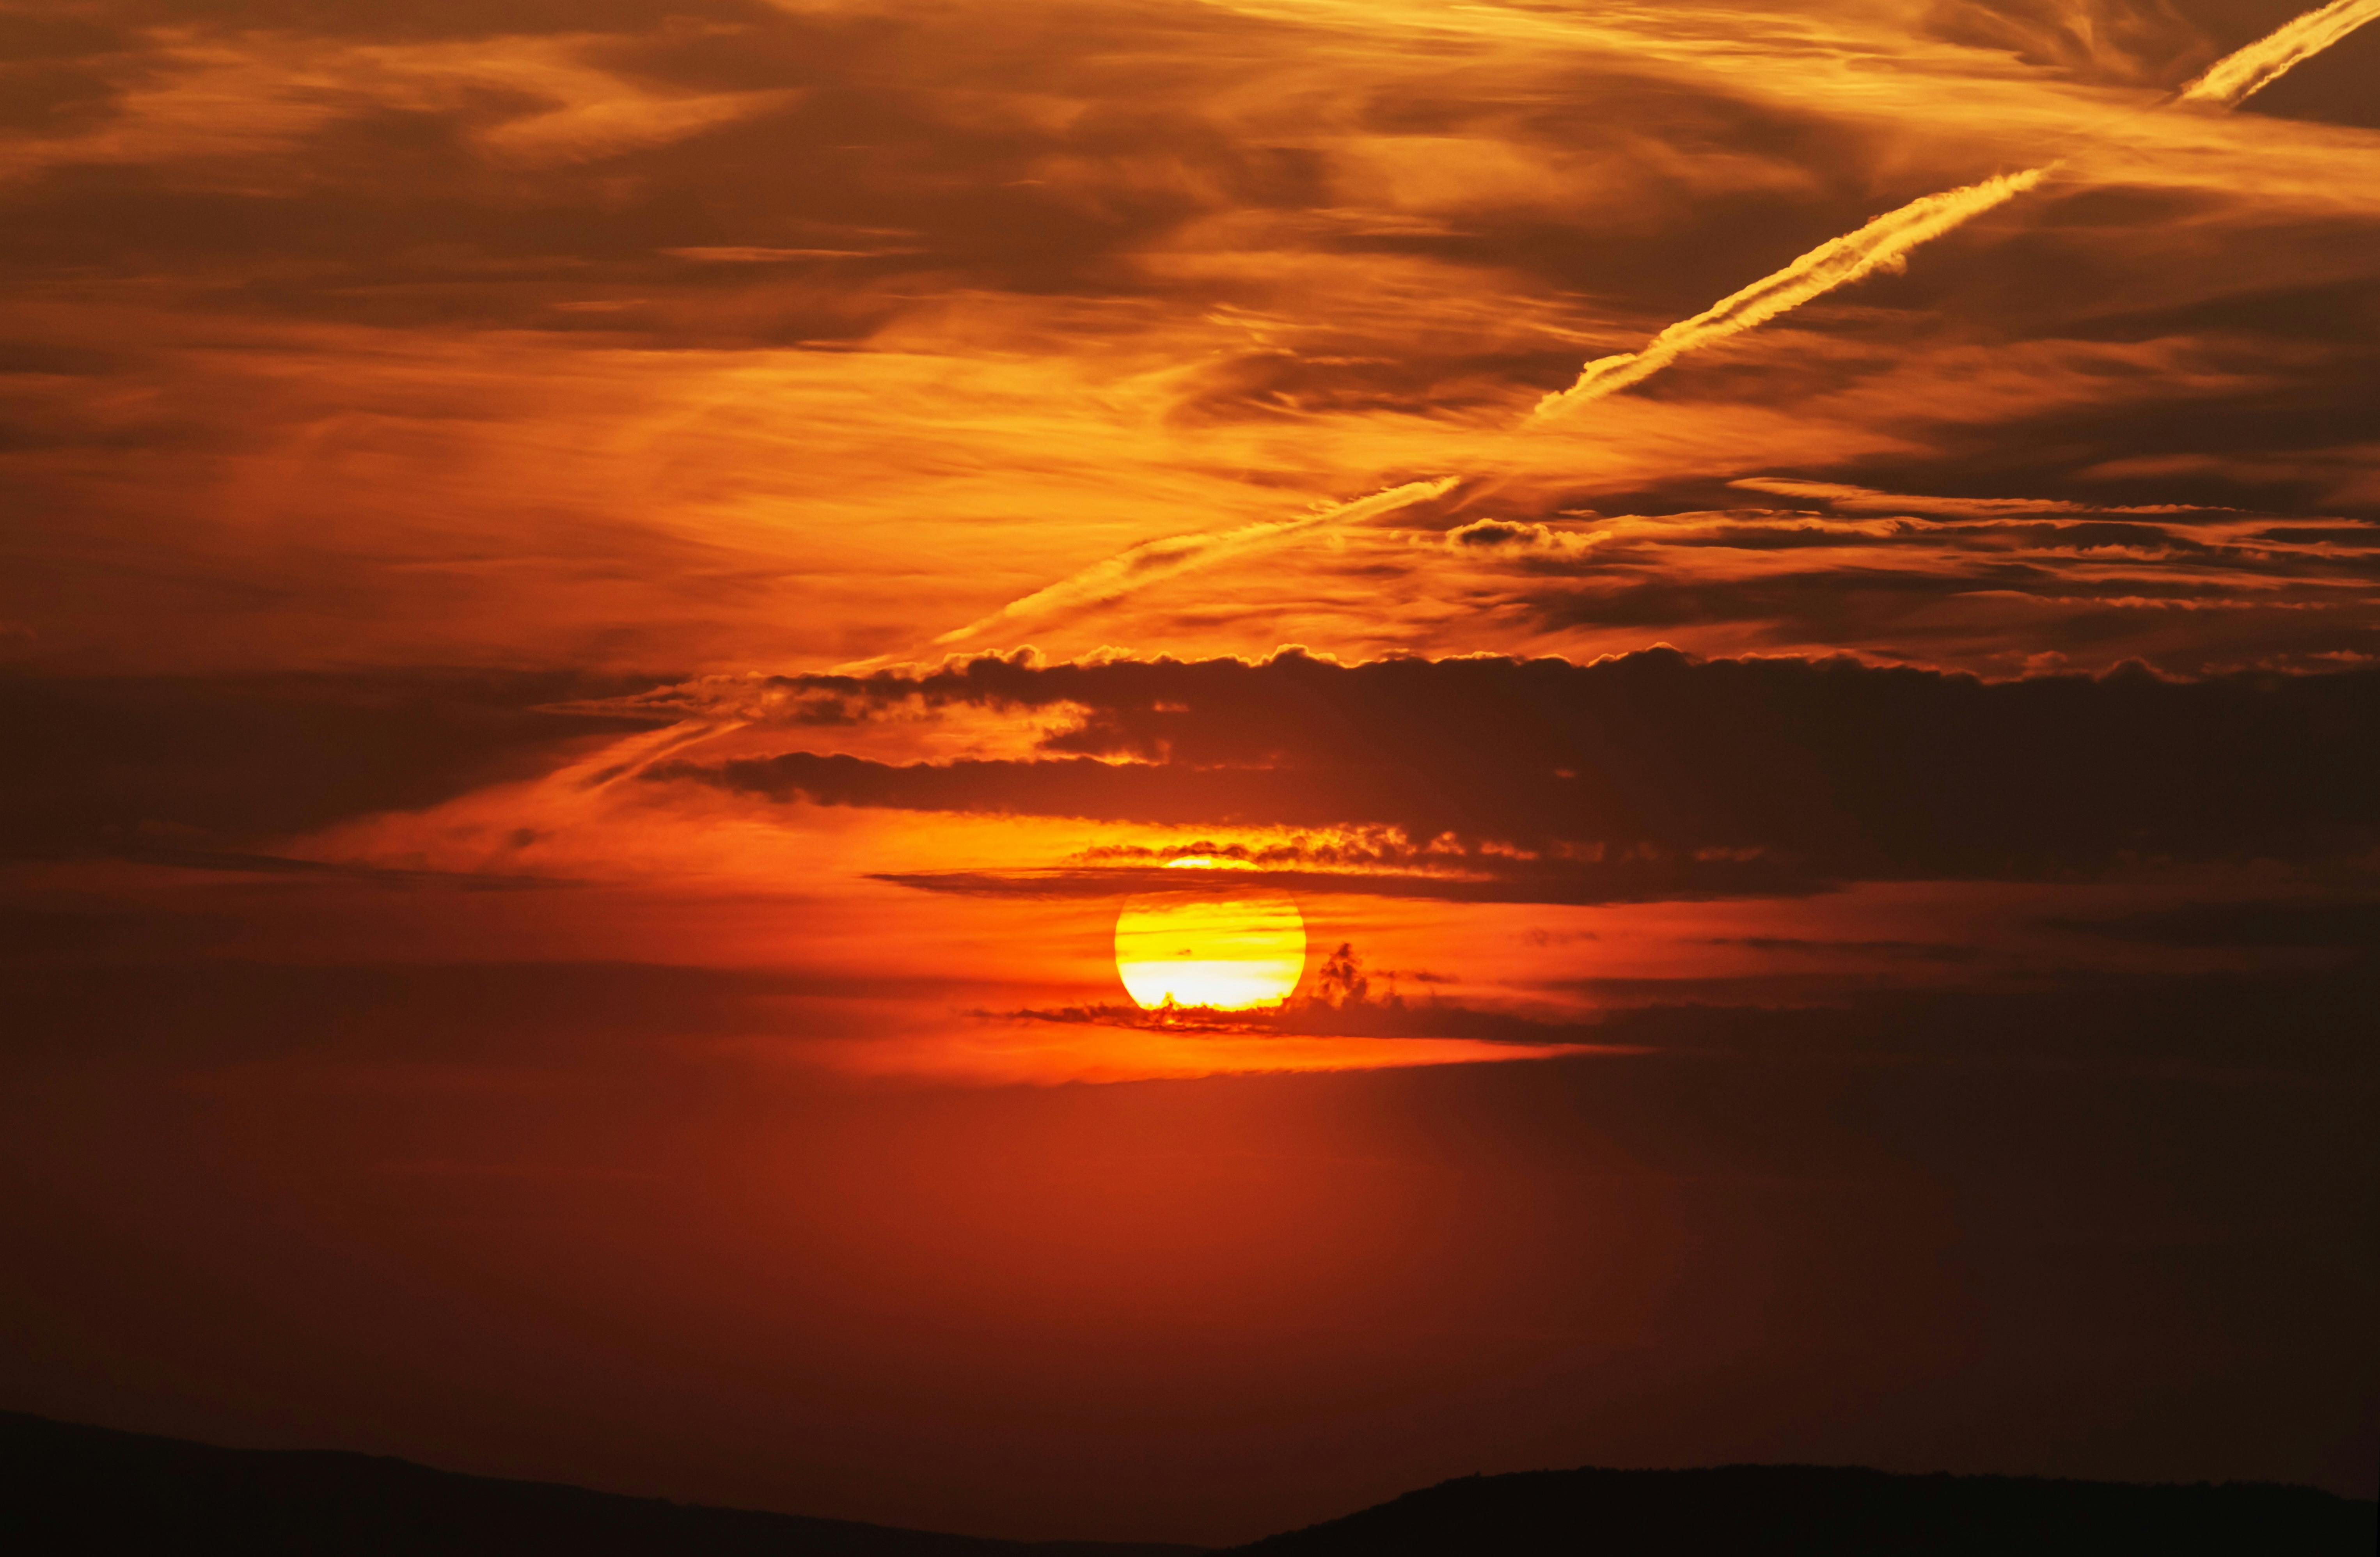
[[1230, 954]]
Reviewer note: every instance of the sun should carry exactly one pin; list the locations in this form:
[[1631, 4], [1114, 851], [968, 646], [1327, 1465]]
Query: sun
[[1227, 953]]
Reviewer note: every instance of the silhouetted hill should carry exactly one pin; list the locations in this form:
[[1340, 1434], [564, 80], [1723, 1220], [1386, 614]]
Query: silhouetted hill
[[68, 1489], [1776, 1510]]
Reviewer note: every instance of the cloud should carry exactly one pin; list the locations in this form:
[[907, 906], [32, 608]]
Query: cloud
[[1509, 535], [293, 327], [2269, 1022], [2132, 42], [1495, 877], [200, 99], [1341, 1001], [232, 1009], [2316, 922], [1884, 243], [1863, 499], [1153, 560], [751, 254], [1986, 584], [1821, 767], [191, 767]]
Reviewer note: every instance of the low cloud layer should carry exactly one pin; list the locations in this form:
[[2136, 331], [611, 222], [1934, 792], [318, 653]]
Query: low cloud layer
[[176, 768], [1829, 767]]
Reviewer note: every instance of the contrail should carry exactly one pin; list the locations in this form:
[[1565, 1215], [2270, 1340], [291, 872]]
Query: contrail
[[1154, 560], [2231, 78], [1884, 241], [1878, 246], [1883, 244]]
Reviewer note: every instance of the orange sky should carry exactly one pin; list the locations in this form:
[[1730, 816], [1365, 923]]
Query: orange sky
[[601, 603]]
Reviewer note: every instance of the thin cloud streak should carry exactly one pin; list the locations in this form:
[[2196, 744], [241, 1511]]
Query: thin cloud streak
[[2231, 79], [1153, 560], [1867, 500], [1883, 244]]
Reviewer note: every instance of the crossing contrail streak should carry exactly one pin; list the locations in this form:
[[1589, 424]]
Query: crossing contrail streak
[[1153, 560], [1878, 246], [2231, 78]]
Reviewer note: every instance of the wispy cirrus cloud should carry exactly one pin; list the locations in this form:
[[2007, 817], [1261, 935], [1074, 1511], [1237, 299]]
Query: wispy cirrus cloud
[[998, 309], [1883, 244]]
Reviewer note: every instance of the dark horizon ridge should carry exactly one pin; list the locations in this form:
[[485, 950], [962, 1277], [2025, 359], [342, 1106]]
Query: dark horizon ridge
[[1834, 1511], [73, 1488]]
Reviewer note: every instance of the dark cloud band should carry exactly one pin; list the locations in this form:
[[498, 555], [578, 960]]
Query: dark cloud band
[[1839, 765]]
